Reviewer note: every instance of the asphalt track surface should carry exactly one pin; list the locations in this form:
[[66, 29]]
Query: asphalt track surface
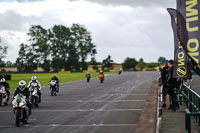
[[81, 107], [196, 84]]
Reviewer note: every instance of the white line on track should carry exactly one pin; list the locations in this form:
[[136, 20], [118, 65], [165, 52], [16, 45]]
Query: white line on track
[[89, 110], [94, 101], [109, 95], [83, 125], [82, 110]]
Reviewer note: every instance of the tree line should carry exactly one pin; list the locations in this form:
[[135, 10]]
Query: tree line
[[133, 64], [65, 48], [59, 48]]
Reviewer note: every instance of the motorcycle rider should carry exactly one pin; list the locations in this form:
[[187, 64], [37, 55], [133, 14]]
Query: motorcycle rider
[[120, 71], [22, 89], [38, 86], [57, 81], [101, 72], [88, 76], [6, 85]]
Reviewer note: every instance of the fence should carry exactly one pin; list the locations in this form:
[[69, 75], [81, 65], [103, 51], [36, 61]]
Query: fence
[[192, 100]]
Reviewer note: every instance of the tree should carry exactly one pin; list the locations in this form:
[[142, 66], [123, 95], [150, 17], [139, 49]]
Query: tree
[[59, 47], [73, 58], [93, 61], [3, 52], [141, 65], [60, 41], [40, 42], [108, 62], [83, 41], [161, 60], [27, 60], [9, 64], [129, 63]]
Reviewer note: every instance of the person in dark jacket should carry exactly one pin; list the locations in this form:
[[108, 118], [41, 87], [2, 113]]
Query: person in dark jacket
[[6, 85], [164, 77], [172, 82], [57, 81], [88, 76], [36, 83], [22, 89]]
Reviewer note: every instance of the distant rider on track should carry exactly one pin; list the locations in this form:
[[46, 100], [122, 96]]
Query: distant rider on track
[[36, 83], [6, 85], [57, 81]]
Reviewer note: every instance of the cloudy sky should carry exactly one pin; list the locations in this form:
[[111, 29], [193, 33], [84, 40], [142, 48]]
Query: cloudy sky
[[121, 28]]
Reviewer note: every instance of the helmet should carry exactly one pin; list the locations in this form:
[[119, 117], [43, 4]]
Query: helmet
[[166, 61], [101, 71], [34, 78], [2, 80], [22, 85]]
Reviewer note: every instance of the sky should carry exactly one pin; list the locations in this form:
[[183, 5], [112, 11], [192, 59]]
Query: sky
[[120, 28]]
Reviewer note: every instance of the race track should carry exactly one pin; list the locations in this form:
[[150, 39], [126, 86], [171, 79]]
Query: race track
[[80, 107]]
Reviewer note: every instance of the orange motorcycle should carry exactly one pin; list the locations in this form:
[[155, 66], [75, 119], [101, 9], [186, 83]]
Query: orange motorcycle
[[101, 78]]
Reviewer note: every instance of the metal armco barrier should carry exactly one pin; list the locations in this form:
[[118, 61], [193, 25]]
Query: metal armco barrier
[[192, 100]]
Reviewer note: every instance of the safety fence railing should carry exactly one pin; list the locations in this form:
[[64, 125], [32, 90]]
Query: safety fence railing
[[192, 101]]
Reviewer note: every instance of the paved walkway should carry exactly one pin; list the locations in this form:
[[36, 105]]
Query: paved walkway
[[174, 122]]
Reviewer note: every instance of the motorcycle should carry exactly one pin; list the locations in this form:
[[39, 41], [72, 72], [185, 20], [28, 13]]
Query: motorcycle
[[88, 78], [20, 109], [53, 87], [34, 97], [101, 78], [119, 72], [3, 96]]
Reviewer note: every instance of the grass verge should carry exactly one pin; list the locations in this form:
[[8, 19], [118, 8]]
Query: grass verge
[[44, 78]]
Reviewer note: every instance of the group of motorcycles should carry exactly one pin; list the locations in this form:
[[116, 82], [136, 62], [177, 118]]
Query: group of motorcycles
[[101, 76], [20, 103]]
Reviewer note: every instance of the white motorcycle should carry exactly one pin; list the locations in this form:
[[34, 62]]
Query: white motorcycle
[[3, 96], [34, 97], [20, 109], [53, 87]]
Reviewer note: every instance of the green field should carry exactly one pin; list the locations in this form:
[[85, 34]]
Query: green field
[[44, 78]]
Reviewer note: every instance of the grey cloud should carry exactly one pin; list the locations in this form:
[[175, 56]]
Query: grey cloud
[[136, 3], [28, 0], [11, 20]]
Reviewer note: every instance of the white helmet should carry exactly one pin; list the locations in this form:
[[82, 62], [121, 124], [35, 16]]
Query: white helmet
[[2, 80], [22, 85], [34, 78]]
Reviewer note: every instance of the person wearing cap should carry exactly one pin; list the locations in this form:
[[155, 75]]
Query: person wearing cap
[[172, 83], [164, 77], [6, 85]]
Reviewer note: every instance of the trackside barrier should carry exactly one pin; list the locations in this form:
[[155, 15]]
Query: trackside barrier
[[192, 100]]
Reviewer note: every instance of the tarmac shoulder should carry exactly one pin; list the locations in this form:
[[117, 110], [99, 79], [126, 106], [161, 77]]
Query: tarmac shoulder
[[148, 118]]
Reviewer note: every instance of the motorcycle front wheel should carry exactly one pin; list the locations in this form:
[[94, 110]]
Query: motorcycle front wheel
[[17, 113], [52, 91], [1, 99]]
